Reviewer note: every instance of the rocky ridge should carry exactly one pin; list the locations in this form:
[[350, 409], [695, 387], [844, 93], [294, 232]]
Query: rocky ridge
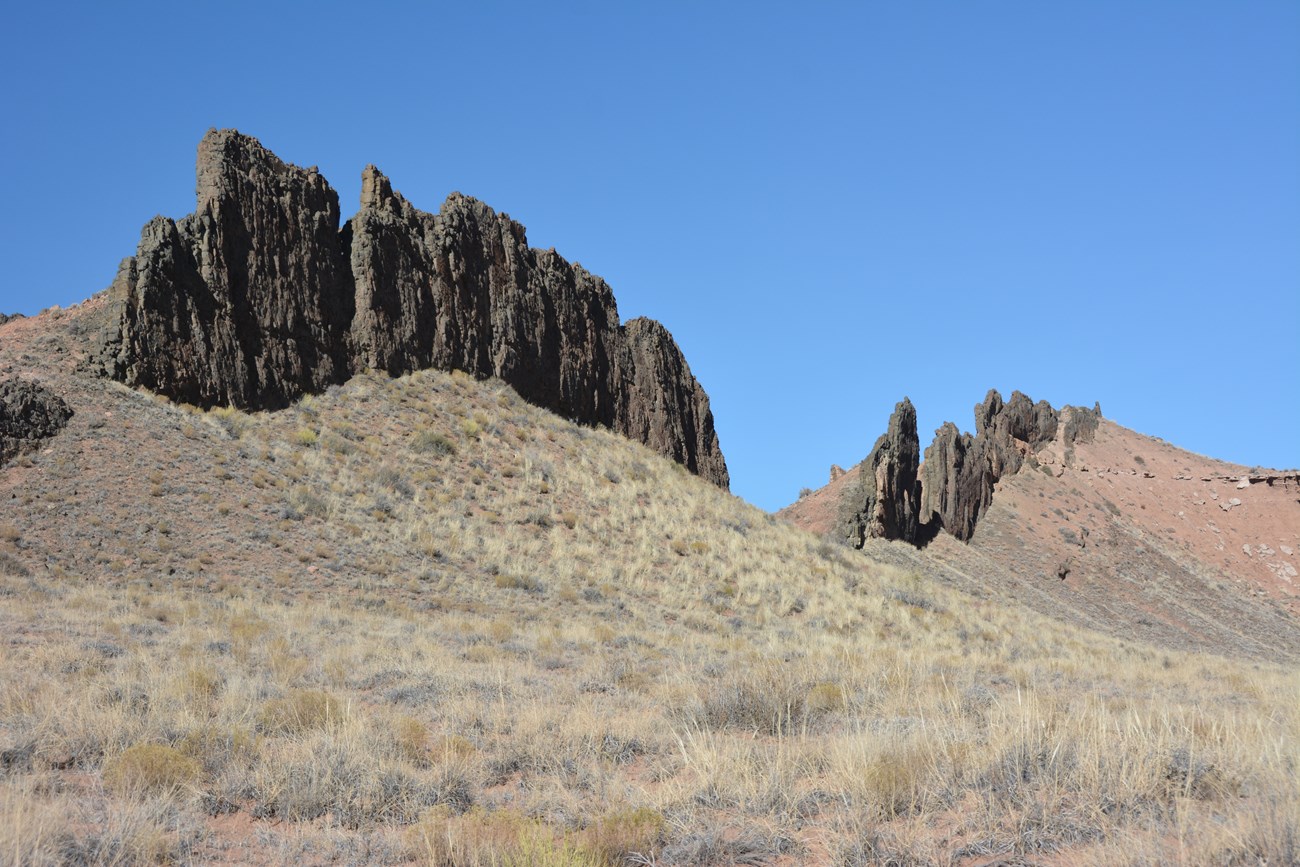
[[897, 497], [260, 297]]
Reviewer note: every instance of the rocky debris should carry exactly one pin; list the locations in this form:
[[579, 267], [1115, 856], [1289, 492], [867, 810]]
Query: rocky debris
[[10, 317], [29, 413], [885, 501], [258, 298], [957, 480]]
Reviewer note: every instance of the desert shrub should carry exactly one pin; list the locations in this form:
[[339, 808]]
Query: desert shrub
[[616, 837], [508, 581], [761, 698], [216, 747], [231, 420], [304, 501], [719, 846], [824, 697], [319, 776], [299, 711], [411, 737], [501, 838], [150, 768], [896, 778], [304, 437], [200, 683], [432, 442]]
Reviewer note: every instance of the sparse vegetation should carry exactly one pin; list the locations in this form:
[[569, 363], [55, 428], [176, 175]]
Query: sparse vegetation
[[386, 652]]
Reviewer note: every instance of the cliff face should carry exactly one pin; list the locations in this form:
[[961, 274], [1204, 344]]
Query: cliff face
[[258, 298], [897, 500]]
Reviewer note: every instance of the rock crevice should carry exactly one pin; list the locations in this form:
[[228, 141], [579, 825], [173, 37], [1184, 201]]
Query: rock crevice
[[261, 296]]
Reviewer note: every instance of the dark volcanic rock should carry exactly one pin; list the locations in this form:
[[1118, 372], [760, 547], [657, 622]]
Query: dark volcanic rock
[[951, 491], [960, 471], [245, 302], [884, 503], [463, 290], [958, 478], [662, 404], [257, 298], [1079, 424], [29, 413]]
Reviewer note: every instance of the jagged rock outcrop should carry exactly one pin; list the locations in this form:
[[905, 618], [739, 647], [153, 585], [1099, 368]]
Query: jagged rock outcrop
[[461, 289], [1079, 424], [960, 472], [662, 405], [258, 298], [885, 501], [951, 488], [29, 413], [245, 302]]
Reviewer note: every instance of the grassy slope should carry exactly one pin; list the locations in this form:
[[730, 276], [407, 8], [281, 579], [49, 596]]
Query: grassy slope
[[418, 620]]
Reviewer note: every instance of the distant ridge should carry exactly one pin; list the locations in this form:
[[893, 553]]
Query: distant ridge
[[259, 297]]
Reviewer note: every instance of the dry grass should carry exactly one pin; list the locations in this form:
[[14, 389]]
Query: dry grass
[[449, 628]]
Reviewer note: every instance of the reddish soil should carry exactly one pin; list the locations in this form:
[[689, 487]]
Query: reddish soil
[[1154, 542]]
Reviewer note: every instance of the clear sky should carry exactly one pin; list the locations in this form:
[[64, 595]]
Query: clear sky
[[830, 205]]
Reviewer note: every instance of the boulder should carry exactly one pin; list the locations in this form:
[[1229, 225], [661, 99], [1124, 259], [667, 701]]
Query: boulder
[[29, 414]]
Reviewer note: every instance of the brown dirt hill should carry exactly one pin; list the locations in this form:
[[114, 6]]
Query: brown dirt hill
[[1132, 536], [417, 620]]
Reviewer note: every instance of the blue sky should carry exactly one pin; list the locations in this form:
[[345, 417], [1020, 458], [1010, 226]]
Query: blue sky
[[830, 206]]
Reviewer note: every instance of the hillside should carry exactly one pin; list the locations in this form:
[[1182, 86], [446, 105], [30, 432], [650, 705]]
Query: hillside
[[420, 620], [1128, 535]]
